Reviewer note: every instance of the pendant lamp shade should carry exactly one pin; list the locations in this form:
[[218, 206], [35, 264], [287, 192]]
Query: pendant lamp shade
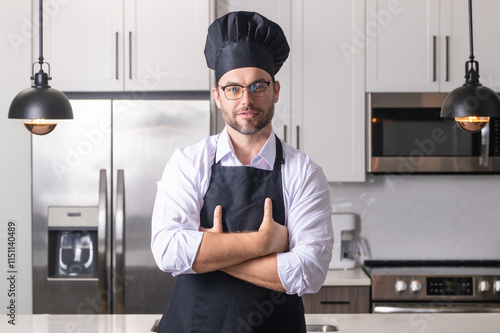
[[472, 104], [468, 100], [40, 106], [40, 102]]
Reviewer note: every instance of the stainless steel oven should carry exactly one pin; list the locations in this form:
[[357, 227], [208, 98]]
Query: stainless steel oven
[[406, 135], [434, 286]]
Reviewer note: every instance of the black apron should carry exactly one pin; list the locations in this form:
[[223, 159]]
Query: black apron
[[216, 302]]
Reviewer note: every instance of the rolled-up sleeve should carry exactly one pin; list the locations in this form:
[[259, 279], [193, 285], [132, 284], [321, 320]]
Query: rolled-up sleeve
[[303, 269], [175, 235]]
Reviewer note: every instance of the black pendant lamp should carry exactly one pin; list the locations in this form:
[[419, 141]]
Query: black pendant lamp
[[40, 106], [472, 104]]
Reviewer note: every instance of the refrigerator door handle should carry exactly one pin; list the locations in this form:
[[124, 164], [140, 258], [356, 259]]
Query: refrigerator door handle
[[102, 223], [119, 274]]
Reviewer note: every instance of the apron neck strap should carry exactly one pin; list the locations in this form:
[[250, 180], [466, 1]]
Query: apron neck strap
[[279, 153]]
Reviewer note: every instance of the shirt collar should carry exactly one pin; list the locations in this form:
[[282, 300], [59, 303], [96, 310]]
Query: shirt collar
[[267, 153]]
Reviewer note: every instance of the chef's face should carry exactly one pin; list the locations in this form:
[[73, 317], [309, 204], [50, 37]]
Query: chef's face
[[250, 113]]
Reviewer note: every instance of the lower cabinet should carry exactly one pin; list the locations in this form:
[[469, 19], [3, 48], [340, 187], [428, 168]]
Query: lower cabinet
[[342, 299]]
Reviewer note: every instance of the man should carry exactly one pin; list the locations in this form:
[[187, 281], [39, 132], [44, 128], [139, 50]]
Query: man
[[242, 219]]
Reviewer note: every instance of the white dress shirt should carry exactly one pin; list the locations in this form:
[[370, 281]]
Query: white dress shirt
[[176, 216]]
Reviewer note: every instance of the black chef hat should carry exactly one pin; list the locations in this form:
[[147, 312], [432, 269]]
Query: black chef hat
[[245, 39]]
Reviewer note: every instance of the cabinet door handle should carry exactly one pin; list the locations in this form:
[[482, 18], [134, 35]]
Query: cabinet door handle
[[116, 56], [130, 55], [447, 58], [434, 40], [298, 137], [284, 133], [335, 302]]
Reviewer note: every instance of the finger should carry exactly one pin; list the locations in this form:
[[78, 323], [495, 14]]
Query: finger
[[268, 208], [218, 214], [217, 218]]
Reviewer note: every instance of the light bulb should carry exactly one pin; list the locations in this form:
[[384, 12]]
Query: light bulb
[[472, 124], [40, 126]]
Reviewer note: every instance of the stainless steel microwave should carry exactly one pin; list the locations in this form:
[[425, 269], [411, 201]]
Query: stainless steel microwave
[[406, 135]]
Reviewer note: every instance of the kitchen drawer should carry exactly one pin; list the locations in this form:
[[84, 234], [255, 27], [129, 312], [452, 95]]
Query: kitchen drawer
[[351, 299]]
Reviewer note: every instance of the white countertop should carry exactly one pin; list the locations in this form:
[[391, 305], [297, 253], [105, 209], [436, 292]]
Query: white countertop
[[349, 323], [413, 323], [347, 277]]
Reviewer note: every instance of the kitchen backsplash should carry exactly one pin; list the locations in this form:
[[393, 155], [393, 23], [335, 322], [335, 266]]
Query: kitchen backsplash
[[424, 216]]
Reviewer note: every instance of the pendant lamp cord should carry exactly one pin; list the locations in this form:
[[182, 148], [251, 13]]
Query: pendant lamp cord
[[470, 34], [40, 37]]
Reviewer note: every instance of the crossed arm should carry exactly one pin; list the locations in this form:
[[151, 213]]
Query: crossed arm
[[179, 247], [250, 256]]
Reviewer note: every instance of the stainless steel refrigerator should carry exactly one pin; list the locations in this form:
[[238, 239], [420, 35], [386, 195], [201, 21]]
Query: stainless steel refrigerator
[[94, 185]]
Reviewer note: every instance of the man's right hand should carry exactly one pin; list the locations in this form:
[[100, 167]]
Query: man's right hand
[[217, 224], [274, 235]]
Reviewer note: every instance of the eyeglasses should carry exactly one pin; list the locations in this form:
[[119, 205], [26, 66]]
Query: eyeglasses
[[235, 91]]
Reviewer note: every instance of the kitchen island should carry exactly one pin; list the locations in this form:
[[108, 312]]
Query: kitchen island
[[349, 323]]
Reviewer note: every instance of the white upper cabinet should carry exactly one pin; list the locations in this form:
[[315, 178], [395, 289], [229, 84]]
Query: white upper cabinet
[[164, 43], [278, 11], [402, 45], [422, 46], [486, 28], [117, 45], [328, 100], [83, 44], [321, 106]]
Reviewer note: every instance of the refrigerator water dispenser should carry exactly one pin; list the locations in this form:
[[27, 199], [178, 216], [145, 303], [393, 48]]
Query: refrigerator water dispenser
[[72, 242]]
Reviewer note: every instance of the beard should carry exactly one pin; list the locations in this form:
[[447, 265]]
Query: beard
[[247, 127]]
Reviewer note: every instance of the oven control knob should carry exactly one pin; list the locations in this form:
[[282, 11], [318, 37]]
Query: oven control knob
[[496, 286], [415, 286], [484, 286], [400, 286]]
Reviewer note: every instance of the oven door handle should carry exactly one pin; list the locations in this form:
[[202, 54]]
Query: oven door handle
[[444, 309]]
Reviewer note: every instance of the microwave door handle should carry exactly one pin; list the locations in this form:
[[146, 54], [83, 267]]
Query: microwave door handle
[[485, 146]]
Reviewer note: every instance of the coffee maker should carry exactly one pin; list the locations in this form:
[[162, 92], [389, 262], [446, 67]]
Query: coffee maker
[[345, 248]]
